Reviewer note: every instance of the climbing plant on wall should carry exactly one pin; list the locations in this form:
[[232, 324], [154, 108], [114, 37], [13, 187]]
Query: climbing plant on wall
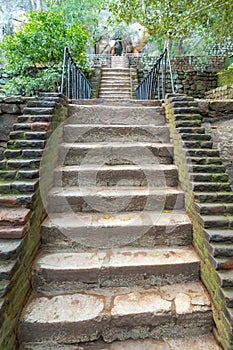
[[33, 55]]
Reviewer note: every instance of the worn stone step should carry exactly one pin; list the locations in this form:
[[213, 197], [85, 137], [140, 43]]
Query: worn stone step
[[115, 153], [43, 103], [211, 186], [26, 144], [220, 249], [188, 117], [195, 137], [219, 235], [147, 229], [110, 83], [185, 104], [208, 177], [14, 216], [214, 208], [116, 115], [116, 267], [208, 169], [188, 123], [23, 153], [118, 314], [114, 88], [185, 110], [7, 269], [38, 110], [186, 343], [112, 199], [227, 294], [9, 248], [216, 221], [214, 197], [28, 118], [13, 232], [4, 287], [40, 126], [121, 175], [116, 133], [202, 153], [8, 174], [191, 130], [11, 187], [111, 95], [12, 200], [204, 160], [225, 278], [198, 144], [28, 135], [23, 163], [115, 102]]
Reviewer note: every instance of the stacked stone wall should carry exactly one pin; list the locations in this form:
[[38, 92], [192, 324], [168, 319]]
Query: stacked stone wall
[[220, 93]]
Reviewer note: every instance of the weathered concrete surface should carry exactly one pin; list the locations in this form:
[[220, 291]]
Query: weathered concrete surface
[[118, 314]]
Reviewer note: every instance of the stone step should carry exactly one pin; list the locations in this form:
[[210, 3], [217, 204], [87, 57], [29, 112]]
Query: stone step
[[109, 82], [28, 118], [118, 314], [227, 295], [9, 248], [28, 135], [112, 199], [197, 144], [191, 130], [43, 103], [219, 235], [13, 232], [116, 133], [188, 123], [7, 269], [9, 175], [116, 153], [185, 104], [125, 115], [114, 89], [38, 110], [36, 126], [216, 221], [202, 153], [207, 169], [14, 217], [187, 110], [11, 187], [23, 163], [26, 144], [145, 229], [208, 177], [204, 160], [116, 267], [214, 197], [121, 175], [23, 153], [111, 95], [214, 208], [225, 278], [195, 137], [188, 117], [219, 249], [12, 200], [186, 343], [115, 102], [210, 186]]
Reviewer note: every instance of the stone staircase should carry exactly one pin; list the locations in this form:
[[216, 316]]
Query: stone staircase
[[117, 269], [115, 82]]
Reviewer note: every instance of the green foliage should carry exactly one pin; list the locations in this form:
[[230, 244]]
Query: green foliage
[[226, 77], [34, 53], [177, 18]]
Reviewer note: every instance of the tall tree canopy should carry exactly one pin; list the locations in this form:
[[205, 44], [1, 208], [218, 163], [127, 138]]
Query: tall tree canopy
[[177, 18]]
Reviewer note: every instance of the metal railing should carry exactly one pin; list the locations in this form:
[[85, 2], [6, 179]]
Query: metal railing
[[74, 84], [153, 86]]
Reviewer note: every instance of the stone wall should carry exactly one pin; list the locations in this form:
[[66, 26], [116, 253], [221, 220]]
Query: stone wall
[[218, 120], [10, 108], [22, 209], [220, 93]]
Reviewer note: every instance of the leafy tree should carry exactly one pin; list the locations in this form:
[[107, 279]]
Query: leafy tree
[[177, 18], [34, 54]]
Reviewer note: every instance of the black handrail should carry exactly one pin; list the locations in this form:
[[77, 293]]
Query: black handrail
[[153, 86], [74, 84]]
